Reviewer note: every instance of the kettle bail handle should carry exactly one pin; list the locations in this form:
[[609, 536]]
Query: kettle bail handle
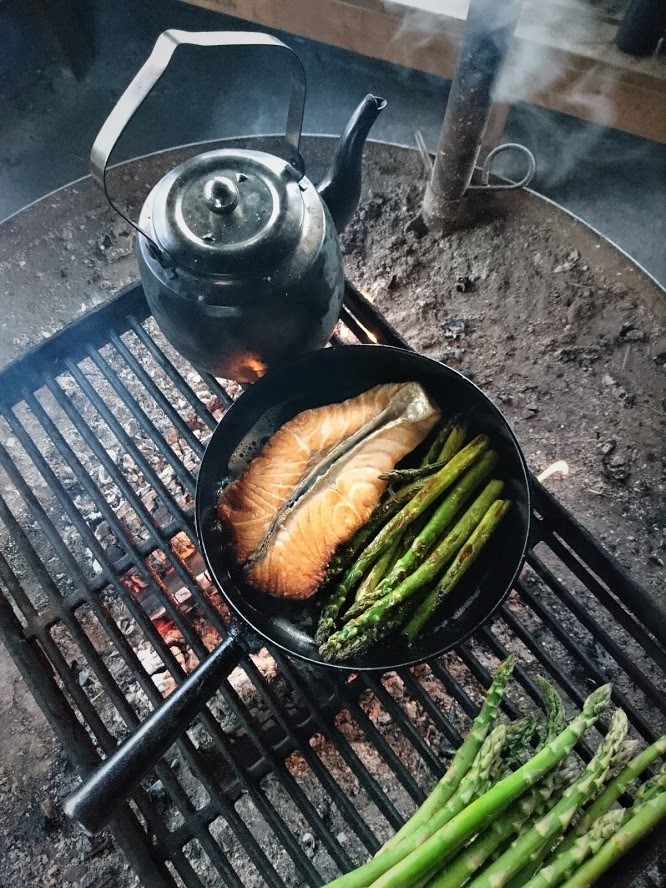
[[148, 75]]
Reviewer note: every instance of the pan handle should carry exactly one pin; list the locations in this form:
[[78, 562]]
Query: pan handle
[[94, 802]]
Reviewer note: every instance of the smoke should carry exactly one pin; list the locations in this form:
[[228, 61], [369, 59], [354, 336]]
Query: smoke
[[547, 36], [417, 28], [543, 45], [544, 67]]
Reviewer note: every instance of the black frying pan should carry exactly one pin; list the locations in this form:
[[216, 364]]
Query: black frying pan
[[314, 380]]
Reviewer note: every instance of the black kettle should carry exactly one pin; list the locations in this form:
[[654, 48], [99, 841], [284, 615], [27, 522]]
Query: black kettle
[[238, 251]]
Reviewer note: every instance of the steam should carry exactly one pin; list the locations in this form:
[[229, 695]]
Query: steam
[[545, 33], [537, 63]]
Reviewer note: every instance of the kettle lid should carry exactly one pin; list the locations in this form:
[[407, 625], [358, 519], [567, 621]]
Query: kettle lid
[[229, 211]]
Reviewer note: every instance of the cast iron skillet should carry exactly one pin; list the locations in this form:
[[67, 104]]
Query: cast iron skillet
[[313, 380]]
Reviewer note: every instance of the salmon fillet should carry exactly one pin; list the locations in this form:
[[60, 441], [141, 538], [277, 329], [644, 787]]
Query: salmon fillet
[[252, 503], [341, 500]]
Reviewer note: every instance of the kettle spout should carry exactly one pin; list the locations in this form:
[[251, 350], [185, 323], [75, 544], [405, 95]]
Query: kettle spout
[[340, 189]]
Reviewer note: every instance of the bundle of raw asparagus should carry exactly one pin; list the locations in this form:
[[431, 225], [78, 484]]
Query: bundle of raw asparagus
[[415, 548], [513, 809]]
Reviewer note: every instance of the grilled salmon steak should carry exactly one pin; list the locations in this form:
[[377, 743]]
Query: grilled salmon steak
[[317, 481]]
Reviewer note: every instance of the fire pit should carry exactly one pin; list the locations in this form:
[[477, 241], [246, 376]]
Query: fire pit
[[290, 775]]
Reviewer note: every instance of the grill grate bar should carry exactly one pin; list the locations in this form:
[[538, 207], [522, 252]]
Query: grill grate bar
[[409, 730], [53, 537], [355, 326], [612, 605], [351, 759], [216, 389], [174, 376], [600, 634], [136, 504], [219, 805], [182, 474], [134, 556], [454, 689], [247, 747], [327, 780], [117, 697], [435, 714], [99, 553], [185, 871], [571, 533], [381, 745], [272, 817], [130, 447], [160, 399], [65, 673], [594, 673], [295, 793], [144, 548], [616, 611], [593, 628]]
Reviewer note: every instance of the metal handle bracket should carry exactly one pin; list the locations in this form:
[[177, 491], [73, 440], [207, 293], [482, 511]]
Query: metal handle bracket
[[151, 71]]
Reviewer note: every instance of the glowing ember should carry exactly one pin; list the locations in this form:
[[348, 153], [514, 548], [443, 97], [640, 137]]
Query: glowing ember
[[557, 468]]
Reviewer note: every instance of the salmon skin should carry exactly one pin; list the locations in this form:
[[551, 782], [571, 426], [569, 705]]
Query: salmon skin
[[317, 481]]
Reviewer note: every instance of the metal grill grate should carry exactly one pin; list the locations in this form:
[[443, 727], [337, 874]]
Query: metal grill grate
[[291, 774]]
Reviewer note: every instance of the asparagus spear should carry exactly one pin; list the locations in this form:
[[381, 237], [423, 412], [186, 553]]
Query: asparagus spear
[[378, 571], [408, 502], [344, 558], [625, 755], [503, 829], [335, 604], [459, 566], [402, 845], [524, 730], [410, 533], [471, 786], [403, 475], [589, 843], [454, 441], [422, 860], [638, 824], [464, 757], [555, 822], [520, 733], [651, 787], [329, 615], [615, 789], [555, 713], [436, 458], [426, 493], [440, 437], [381, 618], [428, 536], [547, 854]]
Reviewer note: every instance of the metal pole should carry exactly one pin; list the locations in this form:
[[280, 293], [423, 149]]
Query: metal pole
[[488, 31]]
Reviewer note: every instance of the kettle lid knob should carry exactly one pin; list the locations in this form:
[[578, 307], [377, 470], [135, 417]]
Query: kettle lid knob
[[228, 211], [221, 194]]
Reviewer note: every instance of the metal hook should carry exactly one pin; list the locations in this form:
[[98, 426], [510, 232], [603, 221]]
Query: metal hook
[[508, 186]]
